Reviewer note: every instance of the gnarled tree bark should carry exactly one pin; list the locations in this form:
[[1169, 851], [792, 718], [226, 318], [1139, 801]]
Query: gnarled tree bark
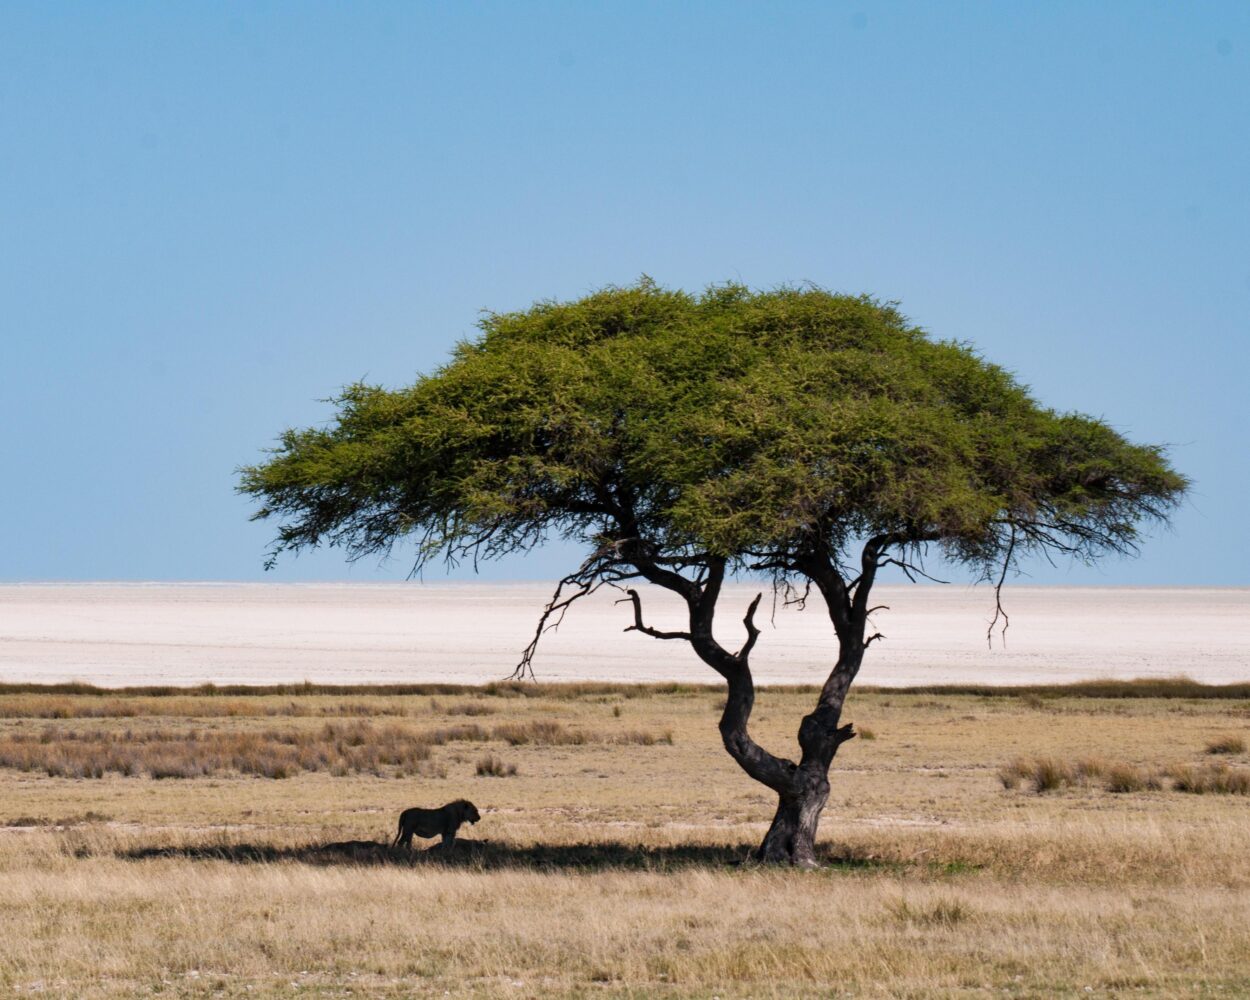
[[802, 788]]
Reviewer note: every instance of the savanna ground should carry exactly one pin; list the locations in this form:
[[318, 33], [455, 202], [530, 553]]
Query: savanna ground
[[169, 843]]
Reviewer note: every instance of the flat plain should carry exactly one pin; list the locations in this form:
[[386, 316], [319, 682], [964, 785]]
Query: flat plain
[[977, 842], [119, 634]]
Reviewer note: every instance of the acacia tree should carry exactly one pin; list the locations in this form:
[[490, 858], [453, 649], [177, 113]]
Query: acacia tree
[[810, 437]]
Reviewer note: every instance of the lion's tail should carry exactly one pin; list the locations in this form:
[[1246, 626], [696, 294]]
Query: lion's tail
[[400, 833]]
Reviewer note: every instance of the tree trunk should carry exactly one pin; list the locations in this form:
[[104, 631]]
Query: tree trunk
[[802, 789], [792, 837]]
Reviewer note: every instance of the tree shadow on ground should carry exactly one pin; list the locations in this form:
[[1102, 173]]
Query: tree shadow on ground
[[485, 855]]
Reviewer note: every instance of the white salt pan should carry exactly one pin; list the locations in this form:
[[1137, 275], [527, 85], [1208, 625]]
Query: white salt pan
[[130, 634]]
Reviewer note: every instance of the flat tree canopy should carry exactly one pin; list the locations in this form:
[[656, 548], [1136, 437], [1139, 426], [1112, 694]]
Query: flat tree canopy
[[682, 438]]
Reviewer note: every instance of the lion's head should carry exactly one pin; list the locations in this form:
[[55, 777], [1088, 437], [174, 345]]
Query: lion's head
[[467, 810]]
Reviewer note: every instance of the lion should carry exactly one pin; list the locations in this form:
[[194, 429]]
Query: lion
[[433, 822]]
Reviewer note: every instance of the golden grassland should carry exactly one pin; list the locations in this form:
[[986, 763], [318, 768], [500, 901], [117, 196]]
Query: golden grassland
[[1028, 843]]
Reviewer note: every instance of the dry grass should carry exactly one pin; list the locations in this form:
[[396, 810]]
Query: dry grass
[[1214, 779], [1123, 778], [1048, 774], [547, 732], [491, 766], [542, 731], [1229, 743], [1037, 695], [341, 748], [574, 691], [1147, 687], [937, 882], [471, 708]]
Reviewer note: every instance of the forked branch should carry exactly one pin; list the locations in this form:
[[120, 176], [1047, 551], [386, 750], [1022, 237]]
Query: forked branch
[[603, 566], [753, 633], [639, 626]]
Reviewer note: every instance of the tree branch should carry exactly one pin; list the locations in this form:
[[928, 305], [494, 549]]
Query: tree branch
[[820, 569], [998, 596], [753, 633], [911, 570], [873, 558], [601, 567], [638, 625]]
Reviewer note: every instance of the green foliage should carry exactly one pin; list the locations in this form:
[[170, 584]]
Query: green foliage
[[735, 424]]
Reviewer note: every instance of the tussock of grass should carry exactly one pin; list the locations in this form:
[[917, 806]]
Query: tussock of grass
[[1121, 778], [1011, 774], [545, 732], [1230, 743], [470, 732], [1091, 766], [1048, 774], [1213, 779], [491, 766]]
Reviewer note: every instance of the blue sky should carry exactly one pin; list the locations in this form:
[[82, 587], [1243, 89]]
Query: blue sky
[[214, 215]]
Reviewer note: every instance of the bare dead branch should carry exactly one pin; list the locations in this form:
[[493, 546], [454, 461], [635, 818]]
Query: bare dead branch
[[638, 625], [753, 633], [790, 596], [999, 612], [602, 566], [910, 569], [556, 607], [793, 599]]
